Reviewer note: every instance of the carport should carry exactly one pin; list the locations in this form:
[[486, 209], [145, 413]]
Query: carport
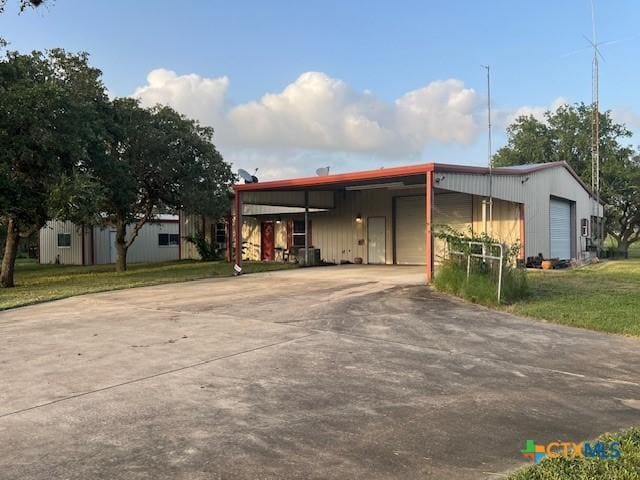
[[386, 216], [380, 216]]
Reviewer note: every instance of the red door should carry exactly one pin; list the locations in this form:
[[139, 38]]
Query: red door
[[267, 243]]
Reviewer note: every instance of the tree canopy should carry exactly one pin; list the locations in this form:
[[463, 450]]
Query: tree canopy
[[70, 153], [157, 160], [47, 131], [565, 135]]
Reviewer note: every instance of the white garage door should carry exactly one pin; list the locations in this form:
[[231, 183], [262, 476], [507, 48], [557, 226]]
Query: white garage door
[[410, 230], [560, 229]]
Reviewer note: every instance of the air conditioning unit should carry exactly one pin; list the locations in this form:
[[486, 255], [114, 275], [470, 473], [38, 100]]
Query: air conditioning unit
[[314, 257]]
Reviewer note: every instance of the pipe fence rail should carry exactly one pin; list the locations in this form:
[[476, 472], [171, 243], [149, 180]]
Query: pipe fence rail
[[485, 255]]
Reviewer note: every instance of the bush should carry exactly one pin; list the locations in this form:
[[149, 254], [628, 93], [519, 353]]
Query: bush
[[208, 251], [482, 284]]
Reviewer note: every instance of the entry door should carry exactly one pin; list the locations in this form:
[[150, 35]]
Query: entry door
[[560, 229], [112, 246], [267, 241], [377, 240]]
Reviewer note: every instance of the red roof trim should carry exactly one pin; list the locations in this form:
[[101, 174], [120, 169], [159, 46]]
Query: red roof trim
[[386, 173], [382, 173]]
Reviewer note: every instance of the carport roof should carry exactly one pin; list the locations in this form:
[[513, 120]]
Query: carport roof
[[410, 174]]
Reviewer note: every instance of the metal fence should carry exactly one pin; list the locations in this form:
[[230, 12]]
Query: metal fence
[[484, 252]]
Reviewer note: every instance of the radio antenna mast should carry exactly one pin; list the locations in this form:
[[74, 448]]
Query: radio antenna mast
[[595, 122], [489, 157]]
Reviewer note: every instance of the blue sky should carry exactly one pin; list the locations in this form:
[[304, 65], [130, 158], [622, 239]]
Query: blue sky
[[378, 52]]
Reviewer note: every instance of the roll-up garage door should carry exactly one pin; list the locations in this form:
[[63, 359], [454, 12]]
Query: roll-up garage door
[[410, 230], [560, 229], [454, 210]]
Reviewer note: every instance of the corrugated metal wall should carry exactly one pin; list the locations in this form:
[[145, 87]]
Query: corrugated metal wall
[[144, 249], [534, 191], [341, 238], [190, 225], [49, 249]]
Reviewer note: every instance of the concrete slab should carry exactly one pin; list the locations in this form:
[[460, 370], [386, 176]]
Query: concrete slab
[[336, 372]]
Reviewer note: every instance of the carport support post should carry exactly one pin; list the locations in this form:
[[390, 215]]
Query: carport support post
[[306, 228], [429, 232], [238, 226]]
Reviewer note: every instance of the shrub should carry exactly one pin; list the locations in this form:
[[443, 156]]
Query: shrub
[[481, 286], [208, 250]]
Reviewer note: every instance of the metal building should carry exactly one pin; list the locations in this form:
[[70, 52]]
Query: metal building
[[388, 216], [69, 244]]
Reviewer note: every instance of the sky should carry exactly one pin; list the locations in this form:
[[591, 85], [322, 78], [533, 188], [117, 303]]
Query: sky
[[293, 86]]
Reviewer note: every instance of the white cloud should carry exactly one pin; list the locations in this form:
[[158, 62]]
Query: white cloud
[[317, 112], [193, 95], [506, 118], [627, 116], [318, 120]]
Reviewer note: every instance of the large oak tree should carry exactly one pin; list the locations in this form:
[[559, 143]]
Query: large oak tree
[[49, 106], [565, 135], [156, 160]]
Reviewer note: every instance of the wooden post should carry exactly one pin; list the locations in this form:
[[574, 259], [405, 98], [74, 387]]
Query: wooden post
[[429, 232]]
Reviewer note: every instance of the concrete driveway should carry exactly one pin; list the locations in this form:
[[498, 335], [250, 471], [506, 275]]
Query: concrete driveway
[[327, 373]]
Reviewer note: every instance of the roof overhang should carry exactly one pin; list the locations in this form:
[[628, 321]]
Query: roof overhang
[[413, 174], [407, 176]]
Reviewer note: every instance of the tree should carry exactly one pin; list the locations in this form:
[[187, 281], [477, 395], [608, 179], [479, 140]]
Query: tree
[[156, 160], [24, 4], [565, 135], [48, 130]]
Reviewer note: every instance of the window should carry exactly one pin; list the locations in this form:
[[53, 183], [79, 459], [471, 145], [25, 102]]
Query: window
[[298, 233], [64, 240], [218, 236], [168, 239]]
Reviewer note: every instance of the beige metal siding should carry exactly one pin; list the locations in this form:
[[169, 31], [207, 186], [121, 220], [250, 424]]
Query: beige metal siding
[[317, 199], [190, 225], [534, 190], [336, 232], [454, 210], [340, 237], [506, 221]]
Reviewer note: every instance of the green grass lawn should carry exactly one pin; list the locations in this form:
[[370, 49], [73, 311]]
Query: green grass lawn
[[604, 297], [39, 283], [625, 467]]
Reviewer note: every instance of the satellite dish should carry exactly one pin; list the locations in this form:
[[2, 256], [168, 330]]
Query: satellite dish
[[246, 176], [322, 172]]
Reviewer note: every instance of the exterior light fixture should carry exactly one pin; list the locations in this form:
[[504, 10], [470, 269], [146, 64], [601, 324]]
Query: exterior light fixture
[[278, 220], [359, 218]]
